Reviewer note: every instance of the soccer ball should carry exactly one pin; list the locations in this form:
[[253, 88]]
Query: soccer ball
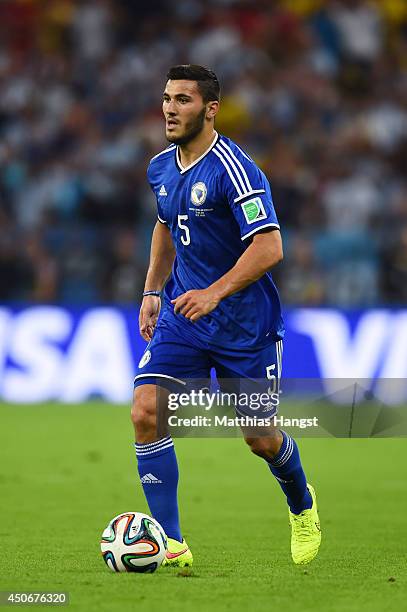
[[133, 542]]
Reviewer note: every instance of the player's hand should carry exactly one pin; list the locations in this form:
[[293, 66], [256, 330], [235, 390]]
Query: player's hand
[[195, 304], [149, 311]]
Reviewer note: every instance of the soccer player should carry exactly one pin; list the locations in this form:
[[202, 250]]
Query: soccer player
[[218, 232]]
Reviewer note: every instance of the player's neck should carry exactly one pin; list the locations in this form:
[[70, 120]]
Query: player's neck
[[193, 150]]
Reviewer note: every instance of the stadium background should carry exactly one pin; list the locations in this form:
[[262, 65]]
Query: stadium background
[[316, 91]]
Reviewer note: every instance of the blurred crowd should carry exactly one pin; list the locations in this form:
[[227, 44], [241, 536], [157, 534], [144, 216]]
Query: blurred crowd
[[315, 90]]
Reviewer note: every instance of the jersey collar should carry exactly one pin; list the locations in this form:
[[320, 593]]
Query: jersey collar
[[178, 161]]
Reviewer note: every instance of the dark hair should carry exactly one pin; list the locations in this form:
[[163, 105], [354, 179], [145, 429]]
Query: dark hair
[[207, 81]]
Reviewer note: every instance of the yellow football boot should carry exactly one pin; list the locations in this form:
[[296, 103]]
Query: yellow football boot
[[305, 532], [178, 554]]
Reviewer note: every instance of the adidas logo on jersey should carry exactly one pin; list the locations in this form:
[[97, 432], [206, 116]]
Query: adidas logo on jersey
[[163, 191], [150, 479]]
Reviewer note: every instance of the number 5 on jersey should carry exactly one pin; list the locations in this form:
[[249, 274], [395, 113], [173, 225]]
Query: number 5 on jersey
[[187, 238]]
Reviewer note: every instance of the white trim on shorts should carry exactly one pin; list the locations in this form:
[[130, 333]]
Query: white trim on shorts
[[153, 375]]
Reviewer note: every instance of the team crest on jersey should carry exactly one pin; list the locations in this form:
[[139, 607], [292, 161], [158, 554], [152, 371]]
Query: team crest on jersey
[[198, 194], [145, 359]]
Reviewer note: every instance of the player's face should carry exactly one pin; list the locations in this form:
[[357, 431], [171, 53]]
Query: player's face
[[184, 111]]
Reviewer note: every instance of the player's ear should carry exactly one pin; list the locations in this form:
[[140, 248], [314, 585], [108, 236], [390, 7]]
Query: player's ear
[[211, 109]]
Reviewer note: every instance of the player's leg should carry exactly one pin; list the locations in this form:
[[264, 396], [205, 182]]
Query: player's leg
[[277, 448], [156, 458], [166, 363], [281, 453], [282, 456]]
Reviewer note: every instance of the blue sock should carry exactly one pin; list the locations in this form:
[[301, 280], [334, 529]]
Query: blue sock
[[286, 467], [158, 469]]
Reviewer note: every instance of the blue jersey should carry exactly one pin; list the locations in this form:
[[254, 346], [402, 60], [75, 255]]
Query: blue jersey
[[212, 208]]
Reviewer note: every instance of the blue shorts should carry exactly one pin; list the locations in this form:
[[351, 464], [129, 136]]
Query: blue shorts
[[174, 361]]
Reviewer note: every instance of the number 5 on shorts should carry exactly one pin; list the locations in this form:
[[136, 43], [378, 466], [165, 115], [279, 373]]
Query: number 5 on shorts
[[272, 377]]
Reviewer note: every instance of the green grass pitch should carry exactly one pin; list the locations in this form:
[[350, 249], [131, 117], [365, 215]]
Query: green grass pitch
[[65, 471]]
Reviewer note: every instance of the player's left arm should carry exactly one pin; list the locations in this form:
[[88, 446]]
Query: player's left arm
[[264, 252]]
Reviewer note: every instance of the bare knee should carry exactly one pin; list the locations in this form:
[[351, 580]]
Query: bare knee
[[144, 413], [266, 447]]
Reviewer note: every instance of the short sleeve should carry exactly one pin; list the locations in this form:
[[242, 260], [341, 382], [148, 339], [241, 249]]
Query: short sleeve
[[159, 193], [248, 194]]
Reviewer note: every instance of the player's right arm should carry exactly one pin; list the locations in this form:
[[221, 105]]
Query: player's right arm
[[162, 254]]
